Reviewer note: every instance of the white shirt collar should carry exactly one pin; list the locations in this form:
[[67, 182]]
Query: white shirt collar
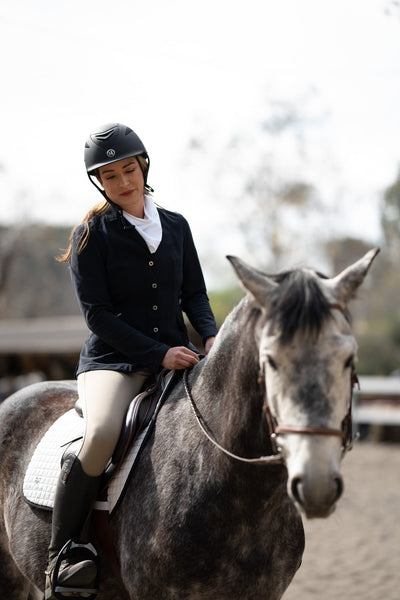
[[150, 226]]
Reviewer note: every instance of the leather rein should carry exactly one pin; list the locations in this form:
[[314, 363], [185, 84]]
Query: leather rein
[[345, 433]]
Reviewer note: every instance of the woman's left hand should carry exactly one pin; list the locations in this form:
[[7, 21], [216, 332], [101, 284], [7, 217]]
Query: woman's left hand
[[208, 344]]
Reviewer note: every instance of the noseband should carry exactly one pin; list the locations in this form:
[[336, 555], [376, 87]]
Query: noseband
[[345, 433]]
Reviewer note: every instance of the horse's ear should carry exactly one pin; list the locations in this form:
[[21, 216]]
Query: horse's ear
[[346, 283], [253, 281]]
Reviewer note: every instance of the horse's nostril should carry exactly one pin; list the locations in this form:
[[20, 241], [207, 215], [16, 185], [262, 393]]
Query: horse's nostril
[[304, 495], [295, 489], [339, 487]]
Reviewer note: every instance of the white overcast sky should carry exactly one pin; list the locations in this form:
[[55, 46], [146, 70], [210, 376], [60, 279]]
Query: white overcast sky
[[175, 69]]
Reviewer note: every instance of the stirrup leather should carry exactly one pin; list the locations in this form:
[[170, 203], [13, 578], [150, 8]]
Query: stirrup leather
[[60, 592]]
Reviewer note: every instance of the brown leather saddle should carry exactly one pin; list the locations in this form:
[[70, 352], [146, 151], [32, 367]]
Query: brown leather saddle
[[141, 411]]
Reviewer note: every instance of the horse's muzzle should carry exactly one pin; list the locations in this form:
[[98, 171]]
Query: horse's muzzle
[[316, 498]]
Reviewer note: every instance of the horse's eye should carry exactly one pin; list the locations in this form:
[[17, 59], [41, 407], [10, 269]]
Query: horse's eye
[[272, 363], [349, 362]]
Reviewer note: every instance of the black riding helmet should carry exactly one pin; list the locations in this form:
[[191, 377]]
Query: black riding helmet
[[110, 143]]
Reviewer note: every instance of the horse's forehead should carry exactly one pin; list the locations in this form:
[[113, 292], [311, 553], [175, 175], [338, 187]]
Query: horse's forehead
[[328, 343]]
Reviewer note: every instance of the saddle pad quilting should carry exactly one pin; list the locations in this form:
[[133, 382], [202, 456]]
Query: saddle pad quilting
[[41, 476]]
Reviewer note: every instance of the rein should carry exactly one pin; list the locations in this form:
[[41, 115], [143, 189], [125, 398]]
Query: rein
[[345, 433], [275, 459]]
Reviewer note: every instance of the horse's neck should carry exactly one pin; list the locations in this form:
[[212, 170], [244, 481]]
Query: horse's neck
[[227, 385]]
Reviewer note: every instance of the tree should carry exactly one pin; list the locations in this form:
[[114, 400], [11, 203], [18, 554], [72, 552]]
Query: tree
[[259, 184], [375, 311], [390, 219]]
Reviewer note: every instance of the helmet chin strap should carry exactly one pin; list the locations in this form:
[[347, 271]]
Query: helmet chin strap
[[92, 179]]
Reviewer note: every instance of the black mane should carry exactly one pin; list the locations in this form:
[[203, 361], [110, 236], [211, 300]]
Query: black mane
[[299, 304]]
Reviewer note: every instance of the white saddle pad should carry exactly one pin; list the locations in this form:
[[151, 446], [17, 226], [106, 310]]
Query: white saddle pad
[[42, 473], [43, 470]]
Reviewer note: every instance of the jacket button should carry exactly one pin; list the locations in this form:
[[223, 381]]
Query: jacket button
[[154, 285], [155, 307], [151, 263]]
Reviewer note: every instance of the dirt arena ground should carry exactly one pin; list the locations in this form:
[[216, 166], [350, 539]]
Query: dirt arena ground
[[355, 553]]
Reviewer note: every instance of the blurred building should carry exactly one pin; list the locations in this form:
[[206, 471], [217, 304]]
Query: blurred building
[[39, 349]]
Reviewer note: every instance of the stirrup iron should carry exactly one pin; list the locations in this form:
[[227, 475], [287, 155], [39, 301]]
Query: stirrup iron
[[62, 592]]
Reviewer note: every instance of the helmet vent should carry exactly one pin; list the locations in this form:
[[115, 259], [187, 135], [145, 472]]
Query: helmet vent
[[128, 130], [104, 135]]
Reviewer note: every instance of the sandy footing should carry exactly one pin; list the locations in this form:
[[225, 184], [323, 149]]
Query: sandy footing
[[355, 553]]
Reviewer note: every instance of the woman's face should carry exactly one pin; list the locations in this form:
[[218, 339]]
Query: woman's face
[[123, 182]]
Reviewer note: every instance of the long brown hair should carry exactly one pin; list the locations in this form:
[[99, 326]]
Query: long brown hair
[[96, 211]]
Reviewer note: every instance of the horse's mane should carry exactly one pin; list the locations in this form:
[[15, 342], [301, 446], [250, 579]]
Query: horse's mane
[[298, 305]]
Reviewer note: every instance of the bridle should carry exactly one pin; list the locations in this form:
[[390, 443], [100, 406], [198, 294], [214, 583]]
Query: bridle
[[345, 432]]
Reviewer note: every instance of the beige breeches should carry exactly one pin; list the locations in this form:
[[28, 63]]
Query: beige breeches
[[105, 397]]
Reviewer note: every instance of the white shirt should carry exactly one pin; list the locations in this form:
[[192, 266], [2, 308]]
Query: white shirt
[[150, 226]]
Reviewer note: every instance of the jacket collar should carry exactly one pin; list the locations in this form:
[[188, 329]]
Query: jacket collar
[[114, 213]]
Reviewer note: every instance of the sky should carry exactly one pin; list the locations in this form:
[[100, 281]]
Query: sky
[[212, 71]]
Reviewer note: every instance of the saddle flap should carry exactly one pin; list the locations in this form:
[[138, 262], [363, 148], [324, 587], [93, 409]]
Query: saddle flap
[[138, 416]]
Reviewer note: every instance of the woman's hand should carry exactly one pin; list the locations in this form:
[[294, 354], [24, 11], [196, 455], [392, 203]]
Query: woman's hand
[[180, 357]]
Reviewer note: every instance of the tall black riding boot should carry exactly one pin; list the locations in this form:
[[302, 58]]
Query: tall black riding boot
[[75, 495]]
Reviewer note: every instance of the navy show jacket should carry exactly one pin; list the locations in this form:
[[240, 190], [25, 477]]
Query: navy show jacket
[[132, 300]]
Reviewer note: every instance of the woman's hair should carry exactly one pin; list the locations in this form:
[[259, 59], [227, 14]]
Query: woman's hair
[[99, 209], [96, 211]]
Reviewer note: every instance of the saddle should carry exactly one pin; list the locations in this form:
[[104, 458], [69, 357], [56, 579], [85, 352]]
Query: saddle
[[138, 416], [64, 437]]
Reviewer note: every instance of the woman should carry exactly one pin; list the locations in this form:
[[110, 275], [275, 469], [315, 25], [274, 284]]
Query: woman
[[135, 269]]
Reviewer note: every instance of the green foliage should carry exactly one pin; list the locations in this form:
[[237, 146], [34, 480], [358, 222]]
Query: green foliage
[[376, 310], [390, 218], [223, 301], [379, 349]]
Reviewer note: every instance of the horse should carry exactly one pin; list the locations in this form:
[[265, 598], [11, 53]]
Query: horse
[[247, 444]]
